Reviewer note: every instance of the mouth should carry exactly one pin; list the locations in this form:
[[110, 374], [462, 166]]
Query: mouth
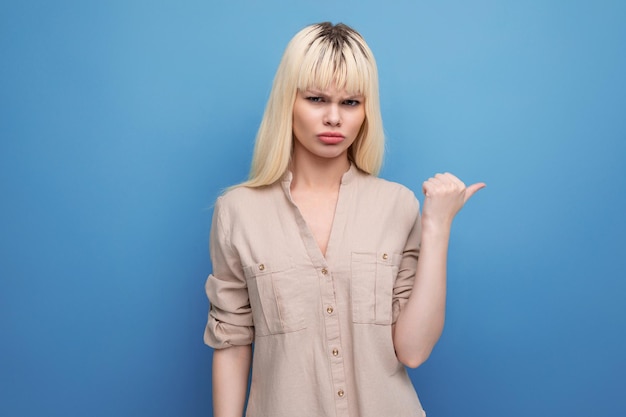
[[331, 138]]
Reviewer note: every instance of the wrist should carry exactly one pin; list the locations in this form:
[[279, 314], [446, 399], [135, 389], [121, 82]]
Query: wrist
[[436, 226]]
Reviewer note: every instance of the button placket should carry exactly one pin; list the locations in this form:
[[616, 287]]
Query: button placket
[[327, 276], [333, 338]]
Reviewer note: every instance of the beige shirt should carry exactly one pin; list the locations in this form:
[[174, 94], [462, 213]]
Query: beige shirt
[[321, 325]]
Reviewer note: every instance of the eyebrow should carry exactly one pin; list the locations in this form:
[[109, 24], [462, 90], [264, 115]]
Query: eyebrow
[[317, 92]]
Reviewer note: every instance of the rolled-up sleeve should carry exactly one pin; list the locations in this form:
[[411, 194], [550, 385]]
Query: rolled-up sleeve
[[230, 317], [406, 273]]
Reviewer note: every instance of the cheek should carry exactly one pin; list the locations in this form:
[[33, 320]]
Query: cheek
[[299, 125], [296, 120], [300, 116], [359, 120]]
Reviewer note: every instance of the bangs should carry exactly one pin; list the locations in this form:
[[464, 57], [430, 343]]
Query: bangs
[[343, 64]]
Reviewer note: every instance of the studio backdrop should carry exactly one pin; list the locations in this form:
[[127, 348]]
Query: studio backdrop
[[122, 121]]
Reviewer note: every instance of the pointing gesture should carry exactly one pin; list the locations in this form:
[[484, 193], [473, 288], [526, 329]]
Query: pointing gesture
[[445, 195], [421, 321]]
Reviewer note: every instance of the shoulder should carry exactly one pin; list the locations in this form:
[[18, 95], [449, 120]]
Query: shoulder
[[241, 200], [392, 195], [242, 194], [386, 189]]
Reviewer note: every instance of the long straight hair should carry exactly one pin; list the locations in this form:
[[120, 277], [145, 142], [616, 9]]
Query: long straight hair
[[319, 56]]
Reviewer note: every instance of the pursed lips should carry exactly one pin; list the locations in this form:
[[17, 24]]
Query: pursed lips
[[331, 138]]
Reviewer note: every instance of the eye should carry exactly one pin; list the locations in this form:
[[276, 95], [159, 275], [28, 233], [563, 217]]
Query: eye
[[314, 99], [351, 103]]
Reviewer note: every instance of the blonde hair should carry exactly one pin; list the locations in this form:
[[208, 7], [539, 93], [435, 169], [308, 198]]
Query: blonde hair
[[319, 56]]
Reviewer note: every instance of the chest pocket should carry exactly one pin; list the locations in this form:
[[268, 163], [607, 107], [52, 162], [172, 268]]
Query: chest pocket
[[372, 279], [274, 298]]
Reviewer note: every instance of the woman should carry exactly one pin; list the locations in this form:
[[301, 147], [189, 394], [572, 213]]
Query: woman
[[315, 259]]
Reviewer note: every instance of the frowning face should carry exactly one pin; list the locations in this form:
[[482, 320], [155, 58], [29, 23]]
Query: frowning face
[[326, 122]]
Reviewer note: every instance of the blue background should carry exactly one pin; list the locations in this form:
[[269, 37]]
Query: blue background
[[121, 122]]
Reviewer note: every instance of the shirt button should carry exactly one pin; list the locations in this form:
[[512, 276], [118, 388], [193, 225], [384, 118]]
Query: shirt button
[[385, 256], [335, 352], [324, 271], [261, 267], [341, 393], [329, 310]]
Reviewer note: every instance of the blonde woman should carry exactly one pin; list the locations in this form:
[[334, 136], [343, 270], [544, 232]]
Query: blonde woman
[[330, 272]]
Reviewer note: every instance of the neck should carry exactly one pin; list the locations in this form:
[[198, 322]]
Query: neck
[[318, 173]]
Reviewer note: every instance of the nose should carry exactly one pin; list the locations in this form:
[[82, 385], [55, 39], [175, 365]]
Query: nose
[[332, 116]]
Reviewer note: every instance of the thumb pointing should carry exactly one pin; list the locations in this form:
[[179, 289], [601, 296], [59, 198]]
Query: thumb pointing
[[471, 190]]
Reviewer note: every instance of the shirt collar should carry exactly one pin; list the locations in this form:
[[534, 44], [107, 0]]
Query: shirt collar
[[346, 178]]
